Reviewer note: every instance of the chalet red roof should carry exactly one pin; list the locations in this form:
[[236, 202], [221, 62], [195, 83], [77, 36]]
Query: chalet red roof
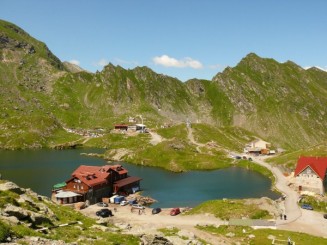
[[317, 164], [120, 125], [95, 175], [126, 181]]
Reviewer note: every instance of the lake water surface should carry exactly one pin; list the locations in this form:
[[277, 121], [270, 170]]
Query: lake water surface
[[41, 169]]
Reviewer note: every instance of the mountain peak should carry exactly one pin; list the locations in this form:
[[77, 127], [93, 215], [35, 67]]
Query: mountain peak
[[13, 38], [73, 68]]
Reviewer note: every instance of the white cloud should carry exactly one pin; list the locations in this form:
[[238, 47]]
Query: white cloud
[[102, 62], [167, 61], [74, 62]]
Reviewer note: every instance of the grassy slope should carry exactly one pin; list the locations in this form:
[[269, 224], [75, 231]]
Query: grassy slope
[[231, 209], [27, 70], [289, 159], [175, 153], [231, 138], [31, 132], [118, 141], [179, 154], [281, 102]]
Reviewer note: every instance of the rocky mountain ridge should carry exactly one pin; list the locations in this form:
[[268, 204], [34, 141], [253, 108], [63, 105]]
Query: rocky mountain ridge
[[280, 102]]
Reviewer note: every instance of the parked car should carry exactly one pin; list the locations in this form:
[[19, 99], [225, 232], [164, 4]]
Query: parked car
[[250, 159], [156, 210], [138, 206], [238, 157], [175, 211], [123, 203], [306, 206], [325, 216], [102, 204], [104, 213]]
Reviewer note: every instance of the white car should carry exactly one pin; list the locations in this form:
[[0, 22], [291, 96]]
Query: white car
[[123, 203], [138, 206]]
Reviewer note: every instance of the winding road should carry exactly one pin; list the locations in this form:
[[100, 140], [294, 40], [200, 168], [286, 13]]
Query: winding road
[[299, 220], [291, 208]]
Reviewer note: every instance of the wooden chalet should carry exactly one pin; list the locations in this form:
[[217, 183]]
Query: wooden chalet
[[311, 174], [92, 183]]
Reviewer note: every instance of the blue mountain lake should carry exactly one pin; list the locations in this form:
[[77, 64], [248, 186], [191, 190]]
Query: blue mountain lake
[[41, 169]]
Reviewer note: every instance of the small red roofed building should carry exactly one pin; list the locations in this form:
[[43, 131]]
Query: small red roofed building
[[121, 127], [310, 174], [92, 183]]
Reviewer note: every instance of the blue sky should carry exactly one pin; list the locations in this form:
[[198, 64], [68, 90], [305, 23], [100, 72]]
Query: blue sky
[[183, 39]]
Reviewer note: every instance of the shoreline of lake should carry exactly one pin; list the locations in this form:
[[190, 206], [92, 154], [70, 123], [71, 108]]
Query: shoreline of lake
[[41, 169]]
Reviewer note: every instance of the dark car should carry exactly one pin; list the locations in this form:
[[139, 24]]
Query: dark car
[[156, 210], [102, 204], [175, 211], [306, 206], [325, 216], [104, 213]]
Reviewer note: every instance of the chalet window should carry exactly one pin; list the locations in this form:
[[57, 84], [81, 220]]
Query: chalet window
[[82, 187], [74, 186]]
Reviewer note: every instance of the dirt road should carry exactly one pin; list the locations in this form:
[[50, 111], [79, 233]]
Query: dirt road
[[155, 138], [149, 223], [291, 208]]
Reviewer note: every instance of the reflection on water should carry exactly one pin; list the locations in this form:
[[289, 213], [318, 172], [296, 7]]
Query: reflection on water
[[41, 169]]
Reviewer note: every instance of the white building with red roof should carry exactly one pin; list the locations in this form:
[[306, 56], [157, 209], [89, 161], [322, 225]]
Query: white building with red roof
[[310, 174]]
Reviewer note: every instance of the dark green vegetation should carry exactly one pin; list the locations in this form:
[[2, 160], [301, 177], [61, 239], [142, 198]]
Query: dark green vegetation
[[40, 96], [169, 232], [255, 167], [230, 209], [4, 231], [261, 236], [288, 159]]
